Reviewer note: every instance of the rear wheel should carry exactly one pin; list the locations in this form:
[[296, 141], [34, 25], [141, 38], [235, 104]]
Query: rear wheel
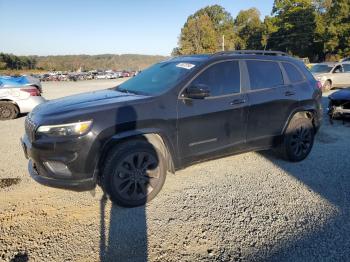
[[298, 140], [8, 111], [327, 86], [134, 173]]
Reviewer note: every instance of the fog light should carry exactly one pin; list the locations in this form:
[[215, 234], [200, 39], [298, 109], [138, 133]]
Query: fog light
[[58, 168]]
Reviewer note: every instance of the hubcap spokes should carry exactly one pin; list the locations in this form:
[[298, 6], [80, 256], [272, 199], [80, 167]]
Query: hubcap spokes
[[301, 141], [5, 112], [137, 175]]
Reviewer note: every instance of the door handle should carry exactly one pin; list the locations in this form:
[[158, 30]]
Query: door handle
[[289, 93], [237, 102]]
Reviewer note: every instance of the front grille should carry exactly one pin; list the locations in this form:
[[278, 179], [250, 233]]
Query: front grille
[[30, 128]]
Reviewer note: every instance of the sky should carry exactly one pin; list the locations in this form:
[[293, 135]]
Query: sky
[[52, 27]]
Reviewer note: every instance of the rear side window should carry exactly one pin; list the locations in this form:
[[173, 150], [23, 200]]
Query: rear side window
[[346, 68], [222, 78], [293, 73], [264, 74]]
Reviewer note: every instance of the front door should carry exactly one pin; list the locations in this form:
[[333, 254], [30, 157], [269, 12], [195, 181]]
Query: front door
[[218, 121]]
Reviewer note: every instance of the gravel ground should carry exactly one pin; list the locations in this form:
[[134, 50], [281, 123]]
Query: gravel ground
[[249, 207]]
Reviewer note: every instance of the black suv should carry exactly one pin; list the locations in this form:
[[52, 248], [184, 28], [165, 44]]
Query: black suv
[[177, 112]]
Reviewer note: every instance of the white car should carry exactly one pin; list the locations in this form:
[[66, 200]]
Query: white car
[[18, 95], [332, 74], [101, 77]]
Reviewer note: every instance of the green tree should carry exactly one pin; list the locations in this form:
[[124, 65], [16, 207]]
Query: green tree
[[198, 36], [221, 22], [249, 29], [295, 21], [338, 28]]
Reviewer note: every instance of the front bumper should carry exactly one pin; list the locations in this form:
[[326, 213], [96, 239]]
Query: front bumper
[[39, 154], [74, 185]]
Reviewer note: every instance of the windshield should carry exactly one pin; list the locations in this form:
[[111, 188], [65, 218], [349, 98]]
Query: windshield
[[321, 69], [157, 78]]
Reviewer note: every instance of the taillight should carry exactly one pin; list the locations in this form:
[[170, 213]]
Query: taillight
[[32, 91], [319, 85]]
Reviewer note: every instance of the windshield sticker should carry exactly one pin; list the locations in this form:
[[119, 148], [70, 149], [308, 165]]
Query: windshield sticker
[[187, 66]]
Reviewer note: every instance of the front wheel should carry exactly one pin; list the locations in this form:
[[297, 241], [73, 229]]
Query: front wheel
[[298, 140], [134, 173]]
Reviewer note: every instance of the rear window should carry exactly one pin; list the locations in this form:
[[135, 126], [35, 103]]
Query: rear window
[[264, 74], [293, 73]]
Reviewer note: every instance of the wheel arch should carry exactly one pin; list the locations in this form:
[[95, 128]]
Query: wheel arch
[[154, 137], [308, 113], [12, 102]]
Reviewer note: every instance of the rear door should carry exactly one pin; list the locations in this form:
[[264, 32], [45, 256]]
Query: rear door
[[267, 96], [218, 121]]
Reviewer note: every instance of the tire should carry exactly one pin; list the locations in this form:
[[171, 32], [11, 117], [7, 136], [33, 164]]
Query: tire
[[298, 140], [8, 111], [133, 174], [327, 86]]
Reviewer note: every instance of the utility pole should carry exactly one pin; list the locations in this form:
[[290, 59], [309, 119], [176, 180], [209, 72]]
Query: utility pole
[[223, 42]]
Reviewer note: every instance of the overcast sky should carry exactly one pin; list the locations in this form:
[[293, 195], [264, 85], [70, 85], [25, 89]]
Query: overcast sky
[[43, 27]]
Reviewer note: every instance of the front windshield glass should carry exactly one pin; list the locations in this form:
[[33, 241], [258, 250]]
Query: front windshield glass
[[321, 68], [157, 78]]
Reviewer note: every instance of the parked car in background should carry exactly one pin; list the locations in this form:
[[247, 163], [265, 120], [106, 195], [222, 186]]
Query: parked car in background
[[18, 95], [171, 115], [332, 74], [346, 59], [339, 104]]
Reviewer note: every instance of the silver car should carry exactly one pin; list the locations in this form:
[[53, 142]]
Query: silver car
[[332, 74], [18, 95]]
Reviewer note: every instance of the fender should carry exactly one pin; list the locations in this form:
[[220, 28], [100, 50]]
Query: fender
[[154, 136], [307, 112]]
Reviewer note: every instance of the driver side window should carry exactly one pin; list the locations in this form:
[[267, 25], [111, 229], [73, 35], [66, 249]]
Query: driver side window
[[221, 78]]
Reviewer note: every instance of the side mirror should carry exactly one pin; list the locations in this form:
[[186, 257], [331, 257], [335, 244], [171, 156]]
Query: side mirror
[[197, 92]]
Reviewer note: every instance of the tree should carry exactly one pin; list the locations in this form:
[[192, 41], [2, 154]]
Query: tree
[[338, 28], [220, 23], [295, 21], [198, 36], [249, 29]]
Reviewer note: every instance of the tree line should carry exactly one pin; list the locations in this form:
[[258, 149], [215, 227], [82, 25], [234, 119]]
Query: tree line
[[75, 62], [316, 29], [10, 61]]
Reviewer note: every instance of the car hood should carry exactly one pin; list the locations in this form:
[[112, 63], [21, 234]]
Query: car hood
[[341, 95], [84, 101]]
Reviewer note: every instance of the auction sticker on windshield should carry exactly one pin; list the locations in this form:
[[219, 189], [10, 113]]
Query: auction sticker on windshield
[[187, 66]]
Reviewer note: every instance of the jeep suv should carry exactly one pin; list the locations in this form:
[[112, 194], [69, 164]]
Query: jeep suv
[[173, 114]]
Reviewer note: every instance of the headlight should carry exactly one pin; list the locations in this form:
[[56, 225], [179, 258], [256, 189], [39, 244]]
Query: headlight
[[73, 129]]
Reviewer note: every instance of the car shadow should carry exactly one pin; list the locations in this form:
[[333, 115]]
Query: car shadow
[[329, 177], [123, 235], [123, 231]]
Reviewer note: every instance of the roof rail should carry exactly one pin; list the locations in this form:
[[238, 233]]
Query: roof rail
[[251, 52]]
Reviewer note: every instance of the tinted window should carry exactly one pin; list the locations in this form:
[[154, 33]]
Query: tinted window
[[346, 68], [264, 74], [221, 79], [293, 73]]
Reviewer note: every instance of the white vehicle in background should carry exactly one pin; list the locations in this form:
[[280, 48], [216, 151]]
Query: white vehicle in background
[[19, 95], [332, 74], [101, 77]]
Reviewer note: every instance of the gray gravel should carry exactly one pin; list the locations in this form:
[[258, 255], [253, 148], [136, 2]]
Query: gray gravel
[[249, 207]]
